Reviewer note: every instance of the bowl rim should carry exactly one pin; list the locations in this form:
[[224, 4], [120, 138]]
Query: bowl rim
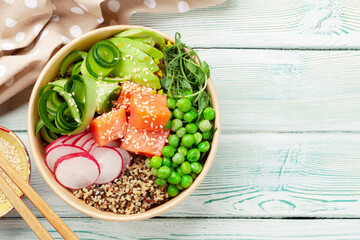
[[28, 161], [38, 156]]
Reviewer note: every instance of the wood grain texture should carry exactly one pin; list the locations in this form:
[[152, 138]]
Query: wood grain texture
[[264, 24], [197, 229], [269, 90], [266, 175]]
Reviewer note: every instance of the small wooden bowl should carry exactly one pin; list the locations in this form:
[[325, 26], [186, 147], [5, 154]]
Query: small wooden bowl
[[37, 148], [24, 156]]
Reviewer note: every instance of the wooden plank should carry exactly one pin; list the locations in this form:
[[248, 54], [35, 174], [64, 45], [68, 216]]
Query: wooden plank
[[266, 175], [195, 229], [263, 24], [273, 90], [269, 90]]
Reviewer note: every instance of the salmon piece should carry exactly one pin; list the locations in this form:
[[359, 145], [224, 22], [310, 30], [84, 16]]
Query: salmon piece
[[127, 88], [148, 111], [145, 142], [109, 126]]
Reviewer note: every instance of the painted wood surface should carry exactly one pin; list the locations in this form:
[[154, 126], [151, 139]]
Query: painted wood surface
[[269, 90], [265, 175], [264, 24], [203, 228], [290, 119]]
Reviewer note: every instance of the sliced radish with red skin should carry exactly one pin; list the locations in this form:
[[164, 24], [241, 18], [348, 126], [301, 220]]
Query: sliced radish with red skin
[[58, 151], [83, 139], [110, 161], [77, 170], [56, 142], [126, 157], [88, 144], [70, 140]]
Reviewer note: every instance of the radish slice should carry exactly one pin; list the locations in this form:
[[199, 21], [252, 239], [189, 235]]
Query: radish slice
[[83, 139], [110, 161], [88, 144], [125, 155], [58, 151], [77, 170], [56, 142], [72, 139]]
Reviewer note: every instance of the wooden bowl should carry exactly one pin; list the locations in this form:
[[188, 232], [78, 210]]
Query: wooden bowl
[[15, 141], [37, 148]]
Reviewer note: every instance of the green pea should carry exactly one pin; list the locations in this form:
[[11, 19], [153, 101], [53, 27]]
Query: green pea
[[204, 146], [196, 167], [173, 140], [176, 124], [171, 115], [191, 128], [207, 135], [198, 137], [166, 161], [172, 190], [156, 162], [160, 182], [184, 104], [147, 162], [209, 113], [205, 125], [185, 167], [181, 132], [183, 150], [186, 95], [179, 187], [188, 140], [174, 178], [168, 151], [163, 172], [190, 116], [193, 175], [174, 165], [171, 103], [154, 171], [178, 158], [168, 125], [178, 113], [193, 155], [179, 171], [186, 181]]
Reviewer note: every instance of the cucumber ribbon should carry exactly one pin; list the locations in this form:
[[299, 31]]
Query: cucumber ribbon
[[67, 106], [100, 60]]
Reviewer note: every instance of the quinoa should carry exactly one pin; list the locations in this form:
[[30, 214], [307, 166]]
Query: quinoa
[[10, 153], [133, 192]]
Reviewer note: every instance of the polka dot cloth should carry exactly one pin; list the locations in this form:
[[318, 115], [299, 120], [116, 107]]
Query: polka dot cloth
[[31, 30]]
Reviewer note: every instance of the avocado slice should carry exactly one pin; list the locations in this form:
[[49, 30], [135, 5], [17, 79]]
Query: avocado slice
[[146, 40], [137, 72], [134, 53], [153, 52], [140, 32]]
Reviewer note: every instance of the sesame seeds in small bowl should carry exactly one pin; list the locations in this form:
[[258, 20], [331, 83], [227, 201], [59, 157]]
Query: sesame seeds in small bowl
[[14, 151]]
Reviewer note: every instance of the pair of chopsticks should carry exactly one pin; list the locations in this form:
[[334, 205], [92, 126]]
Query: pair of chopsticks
[[36, 200]]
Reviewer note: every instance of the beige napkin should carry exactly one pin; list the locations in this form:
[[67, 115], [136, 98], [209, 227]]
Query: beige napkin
[[32, 30]]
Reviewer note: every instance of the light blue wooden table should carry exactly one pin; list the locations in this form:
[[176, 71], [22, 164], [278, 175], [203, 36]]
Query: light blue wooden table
[[287, 74]]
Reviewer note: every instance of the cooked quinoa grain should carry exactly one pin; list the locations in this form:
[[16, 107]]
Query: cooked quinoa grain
[[133, 192], [10, 153]]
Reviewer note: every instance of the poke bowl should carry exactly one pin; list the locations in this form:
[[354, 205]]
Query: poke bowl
[[124, 122]]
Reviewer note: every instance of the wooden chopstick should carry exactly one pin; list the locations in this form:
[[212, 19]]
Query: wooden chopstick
[[24, 211], [37, 201]]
